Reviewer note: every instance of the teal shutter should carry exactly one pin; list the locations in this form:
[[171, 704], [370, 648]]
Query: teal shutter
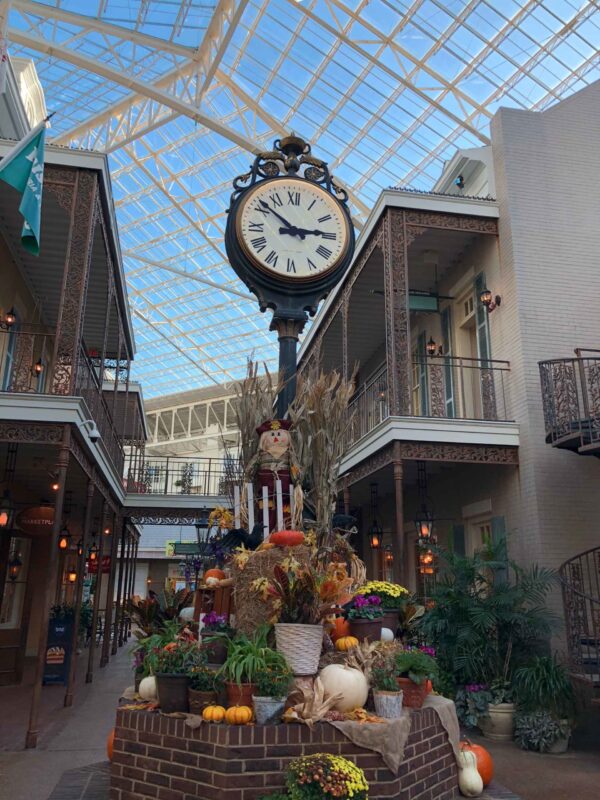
[[498, 535], [458, 537], [447, 350]]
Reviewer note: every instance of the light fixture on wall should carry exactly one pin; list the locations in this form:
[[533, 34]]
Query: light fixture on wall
[[7, 510], [14, 567], [489, 300], [93, 550], [375, 531], [433, 348], [38, 367], [72, 576], [9, 320], [389, 556], [80, 547], [107, 531], [55, 485]]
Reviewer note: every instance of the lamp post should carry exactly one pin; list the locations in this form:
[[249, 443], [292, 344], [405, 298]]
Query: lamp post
[[7, 510], [14, 568]]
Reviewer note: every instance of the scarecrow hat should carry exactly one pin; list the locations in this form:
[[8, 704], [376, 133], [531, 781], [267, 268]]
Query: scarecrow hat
[[274, 425]]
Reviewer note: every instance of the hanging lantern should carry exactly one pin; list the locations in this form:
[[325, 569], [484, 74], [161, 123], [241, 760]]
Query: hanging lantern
[[424, 526], [375, 536], [64, 539], [80, 547], [72, 576], [14, 568], [93, 552], [426, 563], [7, 510], [389, 556]]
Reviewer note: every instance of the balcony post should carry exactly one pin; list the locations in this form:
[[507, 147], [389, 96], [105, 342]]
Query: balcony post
[[110, 592], [132, 573], [125, 585], [397, 330], [74, 285], [97, 589], [118, 610], [398, 535], [344, 310]]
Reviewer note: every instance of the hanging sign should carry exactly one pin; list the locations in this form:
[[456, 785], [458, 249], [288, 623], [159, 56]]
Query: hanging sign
[[36, 520], [93, 566]]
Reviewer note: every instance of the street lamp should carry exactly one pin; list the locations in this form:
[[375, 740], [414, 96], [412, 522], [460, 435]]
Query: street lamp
[[64, 539], [7, 510], [14, 567]]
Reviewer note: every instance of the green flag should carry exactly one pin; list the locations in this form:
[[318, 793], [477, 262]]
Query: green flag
[[23, 168]]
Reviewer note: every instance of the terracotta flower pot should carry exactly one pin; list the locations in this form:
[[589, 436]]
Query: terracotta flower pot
[[172, 692], [217, 649], [199, 700], [414, 694], [390, 619], [240, 694], [366, 629]]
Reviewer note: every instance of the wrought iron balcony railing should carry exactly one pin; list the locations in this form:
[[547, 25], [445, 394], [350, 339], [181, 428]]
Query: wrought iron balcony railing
[[571, 401], [173, 475], [580, 579], [443, 386]]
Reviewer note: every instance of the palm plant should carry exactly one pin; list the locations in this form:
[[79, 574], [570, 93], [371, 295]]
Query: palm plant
[[543, 684], [486, 612]]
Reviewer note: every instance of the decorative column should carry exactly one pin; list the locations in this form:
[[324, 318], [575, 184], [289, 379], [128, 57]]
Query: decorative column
[[288, 332], [90, 670], [118, 614], [87, 525], [344, 311], [398, 536], [132, 571], [125, 585], [49, 584], [74, 286], [110, 591], [397, 323]]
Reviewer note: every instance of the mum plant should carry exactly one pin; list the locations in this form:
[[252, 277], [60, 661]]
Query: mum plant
[[415, 665], [203, 679], [274, 681], [391, 595], [325, 776], [177, 658]]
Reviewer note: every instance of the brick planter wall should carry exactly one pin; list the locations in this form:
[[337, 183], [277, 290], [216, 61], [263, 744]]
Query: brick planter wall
[[160, 758]]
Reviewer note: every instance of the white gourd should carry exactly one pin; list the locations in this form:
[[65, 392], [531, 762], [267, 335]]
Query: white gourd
[[147, 690], [187, 614], [387, 635], [470, 782], [213, 581], [347, 681]]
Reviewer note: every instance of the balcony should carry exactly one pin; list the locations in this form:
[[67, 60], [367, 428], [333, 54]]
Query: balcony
[[443, 387], [571, 402], [173, 475]]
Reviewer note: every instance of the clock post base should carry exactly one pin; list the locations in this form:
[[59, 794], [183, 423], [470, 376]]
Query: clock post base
[[288, 331]]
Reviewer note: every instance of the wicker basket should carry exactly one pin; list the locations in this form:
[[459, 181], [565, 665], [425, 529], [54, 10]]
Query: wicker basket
[[301, 646]]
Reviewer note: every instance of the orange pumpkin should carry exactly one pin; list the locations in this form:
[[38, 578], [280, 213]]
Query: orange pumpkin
[[341, 627], [170, 647], [214, 573], [213, 714], [287, 538], [238, 715], [485, 763], [429, 686], [110, 743], [346, 643]]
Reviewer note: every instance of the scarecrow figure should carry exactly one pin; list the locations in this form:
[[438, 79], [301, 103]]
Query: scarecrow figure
[[273, 464]]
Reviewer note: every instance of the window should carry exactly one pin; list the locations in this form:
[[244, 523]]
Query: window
[[480, 533]]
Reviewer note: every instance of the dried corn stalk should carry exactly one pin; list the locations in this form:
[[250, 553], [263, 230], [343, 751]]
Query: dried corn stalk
[[255, 398], [311, 705]]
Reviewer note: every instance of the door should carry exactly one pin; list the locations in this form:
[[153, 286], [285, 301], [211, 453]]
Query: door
[[13, 610]]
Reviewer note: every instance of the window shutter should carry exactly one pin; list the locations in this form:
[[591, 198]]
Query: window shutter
[[498, 534], [458, 539]]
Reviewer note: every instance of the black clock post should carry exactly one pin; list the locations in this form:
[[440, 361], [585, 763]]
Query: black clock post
[[286, 254]]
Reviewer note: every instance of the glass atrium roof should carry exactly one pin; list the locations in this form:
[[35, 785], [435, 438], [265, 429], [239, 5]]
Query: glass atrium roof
[[180, 93]]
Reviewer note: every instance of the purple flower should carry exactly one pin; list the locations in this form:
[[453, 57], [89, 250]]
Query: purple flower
[[373, 600], [475, 687], [430, 651], [360, 601], [212, 618]]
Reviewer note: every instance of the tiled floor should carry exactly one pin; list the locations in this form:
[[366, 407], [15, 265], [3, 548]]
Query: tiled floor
[[86, 783]]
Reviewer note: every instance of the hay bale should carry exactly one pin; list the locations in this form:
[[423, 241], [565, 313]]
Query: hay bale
[[250, 610]]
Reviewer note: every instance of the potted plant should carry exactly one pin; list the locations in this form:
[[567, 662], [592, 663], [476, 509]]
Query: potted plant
[[216, 632], [499, 721], [246, 659], [543, 684], [298, 612], [272, 687], [394, 599], [542, 731], [472, 703], [322, 776], [203, 687], [386, 694], [172, 664], [413, 669], [365, 617]]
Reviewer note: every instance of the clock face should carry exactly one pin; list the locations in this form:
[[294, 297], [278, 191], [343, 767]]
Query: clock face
[[292, 228]]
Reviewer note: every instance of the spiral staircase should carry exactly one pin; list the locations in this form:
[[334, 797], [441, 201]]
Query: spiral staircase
[[580, 580]]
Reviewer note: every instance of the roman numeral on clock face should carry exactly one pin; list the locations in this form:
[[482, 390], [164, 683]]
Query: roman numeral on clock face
[[291, 267], [276, 200], [323, 251], [293, 198], [256, 227], [329, 235], [311, 266], [272, 258], [325, 218], [259, 243]]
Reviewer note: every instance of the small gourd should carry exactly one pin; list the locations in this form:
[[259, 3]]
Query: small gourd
[[470, 781], [238, 715], [387, 635], [147, 689], [346, 643], [213, 714], [485, 763], [110, 743]]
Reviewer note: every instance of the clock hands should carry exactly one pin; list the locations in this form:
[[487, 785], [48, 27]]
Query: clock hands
[[283, 219], [301, 232]]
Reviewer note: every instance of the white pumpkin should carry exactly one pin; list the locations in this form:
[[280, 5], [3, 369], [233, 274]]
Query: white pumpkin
[[470, 782], [347, 681], [187, 614], [387, 635], [147, 690]]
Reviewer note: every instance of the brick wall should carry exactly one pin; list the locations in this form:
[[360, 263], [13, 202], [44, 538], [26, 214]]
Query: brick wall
[[160, 758]]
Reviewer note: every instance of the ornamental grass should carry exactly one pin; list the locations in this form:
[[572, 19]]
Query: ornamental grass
[[325, 776]]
